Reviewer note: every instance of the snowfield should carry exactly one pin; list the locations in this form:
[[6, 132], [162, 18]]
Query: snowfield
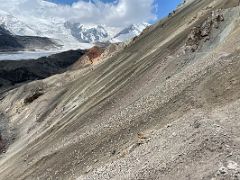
[[71, 34]]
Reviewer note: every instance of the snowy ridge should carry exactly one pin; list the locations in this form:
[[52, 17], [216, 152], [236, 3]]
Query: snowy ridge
[[15, 26], [87, 33], [69, 34], [129, 32]]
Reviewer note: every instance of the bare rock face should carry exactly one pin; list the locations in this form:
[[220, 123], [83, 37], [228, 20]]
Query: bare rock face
[[217, 18], [94, 53], [193, 39], [2, 144], [203, 31], [33, 96], [206, 27]]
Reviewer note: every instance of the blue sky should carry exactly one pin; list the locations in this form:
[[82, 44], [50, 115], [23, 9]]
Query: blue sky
[[166, 6], [163, 7]]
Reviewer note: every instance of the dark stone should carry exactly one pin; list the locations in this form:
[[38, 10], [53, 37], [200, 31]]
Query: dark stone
[[2, 144], [15, 72], [33, 97]]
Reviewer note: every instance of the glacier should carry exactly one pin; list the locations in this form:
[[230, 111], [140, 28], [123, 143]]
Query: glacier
[[70, 34]]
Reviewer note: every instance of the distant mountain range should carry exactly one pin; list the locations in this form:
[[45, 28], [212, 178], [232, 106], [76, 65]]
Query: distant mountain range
[[12, 42], [129, 32], [71, 35]]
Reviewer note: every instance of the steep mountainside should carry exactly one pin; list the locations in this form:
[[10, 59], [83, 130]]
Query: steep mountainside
[[12, 73], [166, 107], [10, 42]]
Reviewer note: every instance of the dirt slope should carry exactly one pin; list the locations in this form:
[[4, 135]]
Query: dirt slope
[[154, 110]]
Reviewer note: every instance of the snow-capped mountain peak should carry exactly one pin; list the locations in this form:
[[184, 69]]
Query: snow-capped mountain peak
[[14, 25], [46, 19], [70, 34], [87, 33], [129, 32], [3, 31]]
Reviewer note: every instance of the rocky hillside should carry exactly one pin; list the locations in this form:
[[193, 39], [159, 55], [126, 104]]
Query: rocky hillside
[[13, 73], [166, 106]]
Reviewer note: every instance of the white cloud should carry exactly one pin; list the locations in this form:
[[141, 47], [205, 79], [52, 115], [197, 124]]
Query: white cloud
[[123, 12], [119, 13]]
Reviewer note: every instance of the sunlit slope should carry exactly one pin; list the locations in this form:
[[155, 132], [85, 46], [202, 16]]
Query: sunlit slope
[[152, 111]]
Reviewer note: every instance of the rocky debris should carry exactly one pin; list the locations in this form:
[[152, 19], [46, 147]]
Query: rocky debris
[[33, 96], [142, 138], [110, 111], [169, 125], [171, 13], [94, 52], [2, 144], [88, 169], [7, 133], [193, 39], [205, 29], [217, 17], [130, 149], [89, 58], [192, 20], [228, 170], [113, 152], [222, 170], [203, 32], [196, 124]]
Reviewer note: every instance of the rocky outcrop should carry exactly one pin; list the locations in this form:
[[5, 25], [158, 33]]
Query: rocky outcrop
[[88, 58], [201, 33], [97, 54], [33, 96], [2, 144]]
